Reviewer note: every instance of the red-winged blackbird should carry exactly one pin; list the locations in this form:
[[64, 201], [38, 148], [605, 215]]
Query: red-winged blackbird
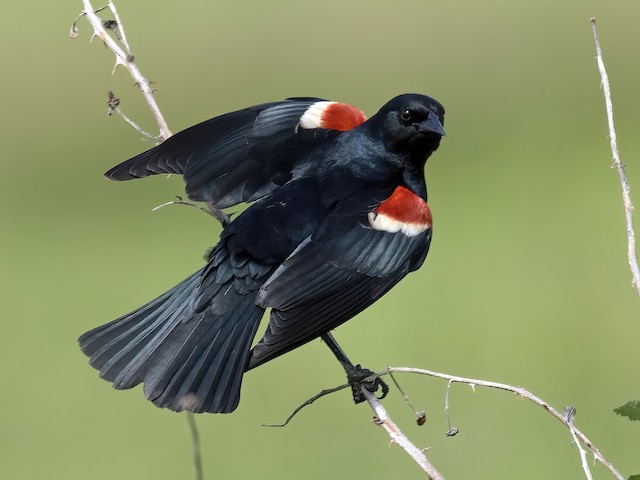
[[340, 216]]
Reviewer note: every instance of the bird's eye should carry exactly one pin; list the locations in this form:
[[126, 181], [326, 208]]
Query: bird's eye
[[406, 116]]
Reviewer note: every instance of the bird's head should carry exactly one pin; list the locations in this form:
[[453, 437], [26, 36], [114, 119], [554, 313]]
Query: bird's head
[[411, 124]]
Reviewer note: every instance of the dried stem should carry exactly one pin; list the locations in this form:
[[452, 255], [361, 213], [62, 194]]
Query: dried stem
[[626, 189], [451, 431], [195, 446], [420, 415], [307, 402], [113, 105], [569, 413], [124, 58], [522, 393], [122, 36], [135, 125], [383, 420]]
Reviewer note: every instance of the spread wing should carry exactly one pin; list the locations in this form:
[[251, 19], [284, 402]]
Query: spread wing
[[242, 155], [331, 277]]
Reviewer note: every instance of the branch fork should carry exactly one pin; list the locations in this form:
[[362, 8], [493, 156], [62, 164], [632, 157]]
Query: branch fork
[[123, 56]]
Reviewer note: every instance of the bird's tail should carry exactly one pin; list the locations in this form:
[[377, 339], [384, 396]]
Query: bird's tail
[[188, 357]]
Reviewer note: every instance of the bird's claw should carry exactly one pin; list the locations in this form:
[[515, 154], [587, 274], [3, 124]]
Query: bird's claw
[[357, 377]]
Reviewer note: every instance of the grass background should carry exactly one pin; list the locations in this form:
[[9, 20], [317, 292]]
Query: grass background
[[526, 282]]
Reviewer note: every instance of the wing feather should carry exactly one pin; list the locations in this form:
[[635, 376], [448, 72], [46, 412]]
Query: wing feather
[[331, 278], [228, 159]]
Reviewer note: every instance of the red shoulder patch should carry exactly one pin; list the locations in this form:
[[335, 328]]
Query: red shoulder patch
[[403, 211], [341, 116], [332, 116]]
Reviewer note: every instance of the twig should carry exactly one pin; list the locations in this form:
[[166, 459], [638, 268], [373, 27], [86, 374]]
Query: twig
[[451, 431], [135, 125], [382, 419], [195, 443], [421, 418], [113, 105], [210, 209], [520, 392], [123, 58], [569, 413], [626, 189], [308, 401], [121, 34]]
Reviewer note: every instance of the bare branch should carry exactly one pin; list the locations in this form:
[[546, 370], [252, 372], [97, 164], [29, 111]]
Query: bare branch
[[121, 34], [216, 213], [421, 418], [520, 392], [123, 58], [113, 105], [451, 431], [569, 413], [195, 445], [626, 189], [382, 419], [308, 401]]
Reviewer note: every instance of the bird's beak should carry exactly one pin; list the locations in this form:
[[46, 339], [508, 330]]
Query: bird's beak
[[431, 125]]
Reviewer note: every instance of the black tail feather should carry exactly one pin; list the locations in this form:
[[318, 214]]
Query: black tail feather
[[188, 359]]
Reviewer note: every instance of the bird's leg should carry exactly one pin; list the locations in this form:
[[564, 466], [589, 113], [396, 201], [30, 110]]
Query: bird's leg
[[355, 373]]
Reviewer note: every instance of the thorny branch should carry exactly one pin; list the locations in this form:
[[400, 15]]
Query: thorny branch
[[383, 420], [624, 182], [567, 420], [569, 413], [123, 56], [113, 105]]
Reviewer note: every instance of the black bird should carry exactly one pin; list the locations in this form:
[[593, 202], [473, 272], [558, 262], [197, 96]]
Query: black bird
[[340, 216]]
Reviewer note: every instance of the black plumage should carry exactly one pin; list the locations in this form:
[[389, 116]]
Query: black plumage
[[340, 218]]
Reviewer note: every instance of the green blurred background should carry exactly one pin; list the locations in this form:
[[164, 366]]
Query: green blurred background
[[527, 280]]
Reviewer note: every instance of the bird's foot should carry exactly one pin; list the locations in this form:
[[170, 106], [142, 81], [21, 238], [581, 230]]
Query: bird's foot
[[357, 377]]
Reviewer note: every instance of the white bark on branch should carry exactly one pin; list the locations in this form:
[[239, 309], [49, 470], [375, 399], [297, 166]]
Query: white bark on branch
[[567, 420], [126, 59], [383, 420], [624, 182]]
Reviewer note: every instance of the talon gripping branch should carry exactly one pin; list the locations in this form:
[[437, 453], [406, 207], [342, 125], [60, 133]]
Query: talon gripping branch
[[340, 216]]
